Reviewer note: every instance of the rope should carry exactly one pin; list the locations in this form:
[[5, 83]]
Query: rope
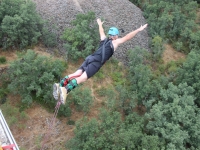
[[51, 125]]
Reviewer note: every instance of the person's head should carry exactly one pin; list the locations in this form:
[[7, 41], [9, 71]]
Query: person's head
[[113, 33]]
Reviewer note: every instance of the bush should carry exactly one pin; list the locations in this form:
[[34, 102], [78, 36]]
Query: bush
[[20, 24], [81, 98], [157, 47], [13, 115], [83, 38], [32, 77], [2, 60], [48, 37], [110, 132]]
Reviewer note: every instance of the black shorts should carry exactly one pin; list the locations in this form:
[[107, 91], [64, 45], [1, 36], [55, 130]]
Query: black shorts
[[90, 66]]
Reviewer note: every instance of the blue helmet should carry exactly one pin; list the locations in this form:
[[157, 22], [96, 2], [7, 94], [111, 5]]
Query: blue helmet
[[113, 31]]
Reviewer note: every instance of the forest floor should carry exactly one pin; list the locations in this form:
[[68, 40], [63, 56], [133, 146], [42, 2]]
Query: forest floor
[[29, 136]]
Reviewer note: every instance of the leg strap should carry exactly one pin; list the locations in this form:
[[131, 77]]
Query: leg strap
[[71, 85], [64, 81]]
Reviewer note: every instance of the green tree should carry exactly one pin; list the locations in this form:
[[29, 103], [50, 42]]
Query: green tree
[[81, 98], [110, 132], [190, 73], [142, 83], [157, 47], [175, 118], [173, 20], [32, 76], [20, 24], [9, 8], [138, 56], [49, 37], [83, 37]]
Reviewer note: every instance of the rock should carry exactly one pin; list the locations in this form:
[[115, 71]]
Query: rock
[[116, 13]]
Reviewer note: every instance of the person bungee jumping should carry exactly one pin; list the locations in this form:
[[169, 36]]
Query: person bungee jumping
[[93, 62]]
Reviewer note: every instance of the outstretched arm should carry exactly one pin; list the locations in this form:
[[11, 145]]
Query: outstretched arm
[[128, 36], [101, 30]]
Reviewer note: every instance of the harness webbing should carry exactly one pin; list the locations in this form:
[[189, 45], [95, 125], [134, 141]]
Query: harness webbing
[[107, 41]]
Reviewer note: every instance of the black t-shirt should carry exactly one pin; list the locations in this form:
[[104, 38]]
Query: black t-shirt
[[109, 50]]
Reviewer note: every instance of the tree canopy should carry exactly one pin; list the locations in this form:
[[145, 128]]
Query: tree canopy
[[82, 39], [22, 26], [33, 75], [173, 20]]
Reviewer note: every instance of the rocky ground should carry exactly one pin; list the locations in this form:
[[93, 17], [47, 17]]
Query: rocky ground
[[120, 13]]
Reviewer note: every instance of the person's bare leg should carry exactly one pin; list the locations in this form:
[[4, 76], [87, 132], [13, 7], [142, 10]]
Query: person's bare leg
[[82, 78], [75, 74]]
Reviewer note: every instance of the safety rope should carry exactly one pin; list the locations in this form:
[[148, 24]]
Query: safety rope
[[51, 124]]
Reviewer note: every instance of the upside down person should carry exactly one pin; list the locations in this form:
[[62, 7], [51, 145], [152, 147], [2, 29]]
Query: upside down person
[[93, 62]]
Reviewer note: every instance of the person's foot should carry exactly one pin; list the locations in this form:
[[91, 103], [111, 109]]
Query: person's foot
[[63, 94], [56, 92], [65, 90]]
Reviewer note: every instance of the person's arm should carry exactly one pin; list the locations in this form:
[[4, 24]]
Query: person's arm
[[127, 37], [101, 30]]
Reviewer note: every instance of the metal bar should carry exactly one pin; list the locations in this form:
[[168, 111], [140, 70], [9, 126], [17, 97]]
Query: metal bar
[[8, 132]]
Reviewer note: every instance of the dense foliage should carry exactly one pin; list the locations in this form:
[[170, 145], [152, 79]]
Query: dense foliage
[[81, 98], [190, 73], [166, 95], [173, 20], [21, 25], [33, 75], [176, 118], [82, 39], [110, 132]]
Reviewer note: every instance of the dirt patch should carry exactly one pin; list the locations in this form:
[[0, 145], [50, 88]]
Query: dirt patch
[[170, 54], [32, 135], [9, 55]]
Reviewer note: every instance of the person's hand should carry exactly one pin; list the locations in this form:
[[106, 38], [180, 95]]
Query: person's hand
[[142, 27], [99, 21]]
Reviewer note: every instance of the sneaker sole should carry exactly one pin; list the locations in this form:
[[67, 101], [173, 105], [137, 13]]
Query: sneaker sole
[[56, 93], [62, 96]]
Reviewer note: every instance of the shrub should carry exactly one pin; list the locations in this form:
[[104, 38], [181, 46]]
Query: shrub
[[48, 37], [2, 60], [32, 77], [110, 132], [83, 38], [20, 24], [81, 98]]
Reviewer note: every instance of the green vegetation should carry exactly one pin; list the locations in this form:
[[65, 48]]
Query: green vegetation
[[21, 25], [147, 105], [2, 60], [81, 98], [175, 118], [174, 21], [189, 73], [13, 115], [32, 77], [110, 132], [83, 38]]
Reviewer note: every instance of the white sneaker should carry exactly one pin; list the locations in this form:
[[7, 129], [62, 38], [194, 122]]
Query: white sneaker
[[56, 92], [63, 94]]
